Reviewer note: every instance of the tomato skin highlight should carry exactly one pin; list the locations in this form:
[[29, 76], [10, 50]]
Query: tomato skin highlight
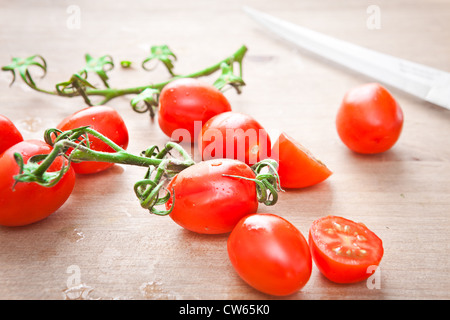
[[208, 202], [270, 254], [369, 120], [30, 202], [9, 134], [186, 100], [297, 166], [344, 254], [105, 120], [234, 135]]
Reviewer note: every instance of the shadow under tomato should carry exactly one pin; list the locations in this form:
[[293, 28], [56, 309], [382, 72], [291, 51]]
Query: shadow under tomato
[[303, 205], [325, 288]]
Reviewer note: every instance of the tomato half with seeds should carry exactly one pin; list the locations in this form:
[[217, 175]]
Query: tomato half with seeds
[[270, 254], [29, 202], [206, 201], [369, 119], [105, 120], [343, 250], [234, 135], [188, 102], [9, 134], [297, 166]]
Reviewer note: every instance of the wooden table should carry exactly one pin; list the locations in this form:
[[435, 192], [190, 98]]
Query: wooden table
[[102, 245]]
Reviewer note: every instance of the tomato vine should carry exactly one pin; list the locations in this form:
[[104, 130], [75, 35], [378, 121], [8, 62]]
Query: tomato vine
[[75, 146], [146, 96]]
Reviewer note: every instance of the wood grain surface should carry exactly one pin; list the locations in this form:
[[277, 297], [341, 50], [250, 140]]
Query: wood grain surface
[[102, 245]]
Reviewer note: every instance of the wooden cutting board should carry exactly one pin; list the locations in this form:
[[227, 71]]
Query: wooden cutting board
[[102, 245]]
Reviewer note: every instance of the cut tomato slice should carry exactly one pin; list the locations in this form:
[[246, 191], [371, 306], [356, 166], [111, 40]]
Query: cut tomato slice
[[297, 167], [343, 250]]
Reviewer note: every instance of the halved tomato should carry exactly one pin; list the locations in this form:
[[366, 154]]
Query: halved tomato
[[343, 250]]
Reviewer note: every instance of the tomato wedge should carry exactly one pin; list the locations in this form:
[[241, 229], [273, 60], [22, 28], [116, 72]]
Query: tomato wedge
[[298, 168], [343, 250]]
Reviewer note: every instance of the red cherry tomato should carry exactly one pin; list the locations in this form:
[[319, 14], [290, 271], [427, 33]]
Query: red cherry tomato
[[185, 101], [343, 250], [270, 254], [208, 202], [369, 119], [9, 134], [234, 135], [30, 202], [105, 120], [297, 166]]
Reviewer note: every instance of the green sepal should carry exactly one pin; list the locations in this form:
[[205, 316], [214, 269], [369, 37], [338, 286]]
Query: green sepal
[[21, 65], [163, 54], [99, 66], [228, 78], [146, 101], [27, 171]]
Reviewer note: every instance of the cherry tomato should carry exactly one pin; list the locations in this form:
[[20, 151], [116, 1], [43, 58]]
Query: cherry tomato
[[9, 134], [185, 101], [208, 202], [369, 119], [297, 166], [234, 135], [30, 202], [105, 120], [270, 254], [343, 250]]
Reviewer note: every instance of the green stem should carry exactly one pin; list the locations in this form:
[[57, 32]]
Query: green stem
[[47, 162], [120, 156], [44, 91], [81, 151], [110, 93]]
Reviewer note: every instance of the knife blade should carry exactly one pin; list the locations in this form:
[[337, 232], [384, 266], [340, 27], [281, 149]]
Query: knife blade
[[424, 82]]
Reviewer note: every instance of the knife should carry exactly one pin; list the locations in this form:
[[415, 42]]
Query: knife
[[421, 81]]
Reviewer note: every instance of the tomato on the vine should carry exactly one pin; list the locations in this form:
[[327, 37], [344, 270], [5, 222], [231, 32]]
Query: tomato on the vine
[[106, 121], [9, 134], [270, 254], [186, 102], [343, 250], [234, 135], [369, 119], [30, 202], [206, 201], [297, 166]]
